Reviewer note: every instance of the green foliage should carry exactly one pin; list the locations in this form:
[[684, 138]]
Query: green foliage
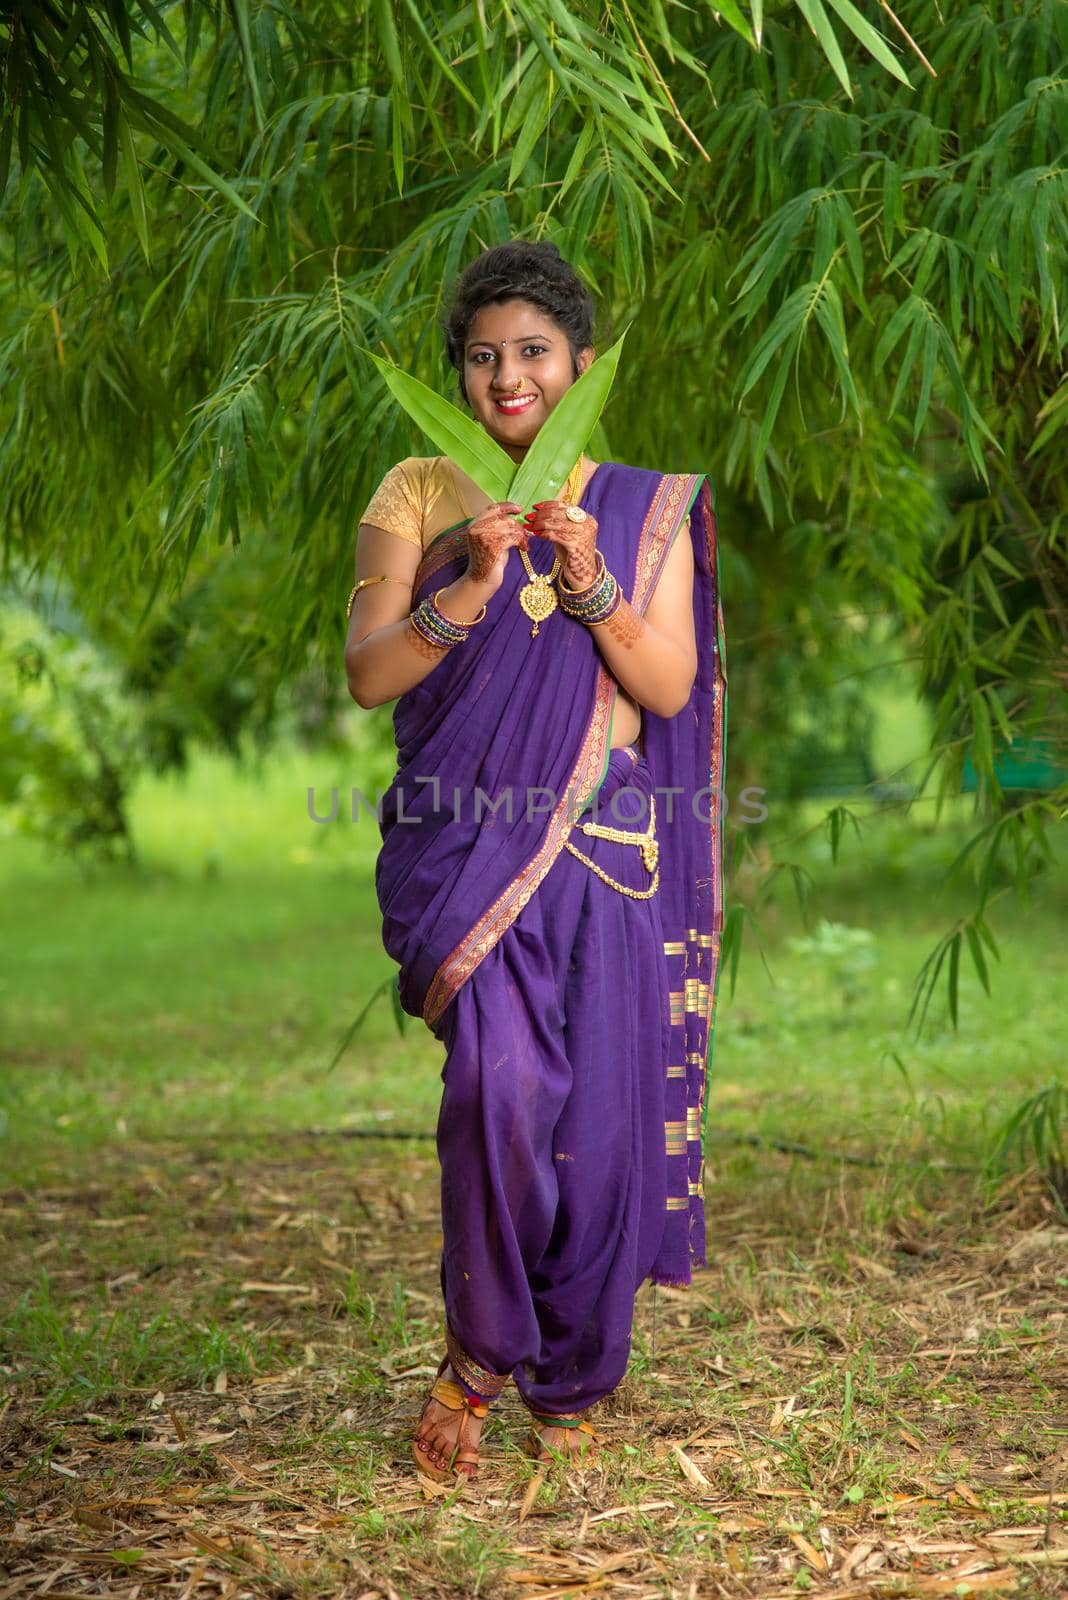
[[846, 953], [1036, 1133], [843, 279], [69, 740]]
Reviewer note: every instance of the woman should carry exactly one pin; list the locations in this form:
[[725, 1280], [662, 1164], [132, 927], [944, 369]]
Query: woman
[[562, 944]]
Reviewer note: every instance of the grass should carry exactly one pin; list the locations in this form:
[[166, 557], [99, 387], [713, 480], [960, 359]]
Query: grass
[[221, 1309]]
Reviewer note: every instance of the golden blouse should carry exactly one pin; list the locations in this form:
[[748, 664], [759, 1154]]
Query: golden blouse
[[419, 498]]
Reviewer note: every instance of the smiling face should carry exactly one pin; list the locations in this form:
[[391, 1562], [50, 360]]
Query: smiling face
[[511, 344]]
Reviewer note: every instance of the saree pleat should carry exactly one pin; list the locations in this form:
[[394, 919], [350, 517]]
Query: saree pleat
[[505, 714]]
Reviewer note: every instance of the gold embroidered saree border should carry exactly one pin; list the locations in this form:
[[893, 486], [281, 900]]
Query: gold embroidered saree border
[[691, 993], [717, 769], [443, 548], [458, 966], [674, 496]]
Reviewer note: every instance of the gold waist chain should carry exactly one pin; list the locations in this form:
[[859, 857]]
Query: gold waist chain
[[646, 842]]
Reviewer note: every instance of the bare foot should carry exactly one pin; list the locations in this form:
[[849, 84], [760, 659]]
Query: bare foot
[[441, 1429]]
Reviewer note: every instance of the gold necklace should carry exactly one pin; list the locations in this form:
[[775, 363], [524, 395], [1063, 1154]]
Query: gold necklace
[[538, 597]]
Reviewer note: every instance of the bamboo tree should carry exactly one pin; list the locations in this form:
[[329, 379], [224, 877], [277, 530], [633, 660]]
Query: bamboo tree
[[844, 277]]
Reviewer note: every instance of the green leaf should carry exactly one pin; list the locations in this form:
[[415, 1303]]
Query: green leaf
[[820, 23], [829, 317], [134, 186], [458, 84], [983, 749], [732, 13], [397, 104], [386, 33], [978, 958], [730, 950], [578, 156], [534, 122], [109, 131], [874, 42], [244, 34], [388, 984], [565, 433], [179, 147], [456, 434]]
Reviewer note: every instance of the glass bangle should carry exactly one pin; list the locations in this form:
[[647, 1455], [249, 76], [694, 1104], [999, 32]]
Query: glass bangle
[[429, 620], [603, 593], [593, 622], [599, 605]]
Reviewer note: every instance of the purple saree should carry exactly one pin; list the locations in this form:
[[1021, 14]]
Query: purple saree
[[498, 749]]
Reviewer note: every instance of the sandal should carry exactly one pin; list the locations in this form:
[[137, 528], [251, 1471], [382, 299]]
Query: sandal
[[464, 1458], [537, 1447]]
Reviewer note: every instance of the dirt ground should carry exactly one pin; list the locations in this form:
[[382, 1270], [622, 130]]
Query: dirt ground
[[214, 1359]]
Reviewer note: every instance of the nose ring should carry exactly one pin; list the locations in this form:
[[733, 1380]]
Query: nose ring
[[518, 386]]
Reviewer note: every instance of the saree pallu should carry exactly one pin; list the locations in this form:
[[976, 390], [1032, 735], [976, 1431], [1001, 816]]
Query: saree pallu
[[501, 745]]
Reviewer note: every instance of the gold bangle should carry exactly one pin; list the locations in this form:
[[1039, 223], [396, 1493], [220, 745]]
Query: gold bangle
[[598, 578], [455, 620], [380, 577]]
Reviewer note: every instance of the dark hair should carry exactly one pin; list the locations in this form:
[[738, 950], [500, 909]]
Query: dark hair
[[520, 270]]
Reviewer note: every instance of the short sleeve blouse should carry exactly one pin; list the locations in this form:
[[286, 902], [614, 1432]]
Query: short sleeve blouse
[[417, 499]]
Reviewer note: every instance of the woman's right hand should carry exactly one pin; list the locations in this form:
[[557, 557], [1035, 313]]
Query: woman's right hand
[[490, 536]]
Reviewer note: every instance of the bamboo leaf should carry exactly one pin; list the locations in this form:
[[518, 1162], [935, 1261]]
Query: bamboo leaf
[[820, 23], [397, 102], [732, 14], [730, 950], [873, 42], [533, 126], [443, 65], [239, 11], [456, 435], [983, 752], [978, 958], [578, 156], [386, 33], [110, 116], [179, 147], [785, 325], [134, 186], [829, 317], [566, 431]]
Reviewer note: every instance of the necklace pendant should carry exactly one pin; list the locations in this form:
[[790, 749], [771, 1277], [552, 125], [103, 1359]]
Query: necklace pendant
[[538, 600]]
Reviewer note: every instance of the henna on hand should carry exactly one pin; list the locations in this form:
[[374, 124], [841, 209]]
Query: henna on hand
[[576, 542], [492, 532], [625, 624], [581, 567]]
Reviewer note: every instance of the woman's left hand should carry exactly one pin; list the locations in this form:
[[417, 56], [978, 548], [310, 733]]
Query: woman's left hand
[[576, 542]]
